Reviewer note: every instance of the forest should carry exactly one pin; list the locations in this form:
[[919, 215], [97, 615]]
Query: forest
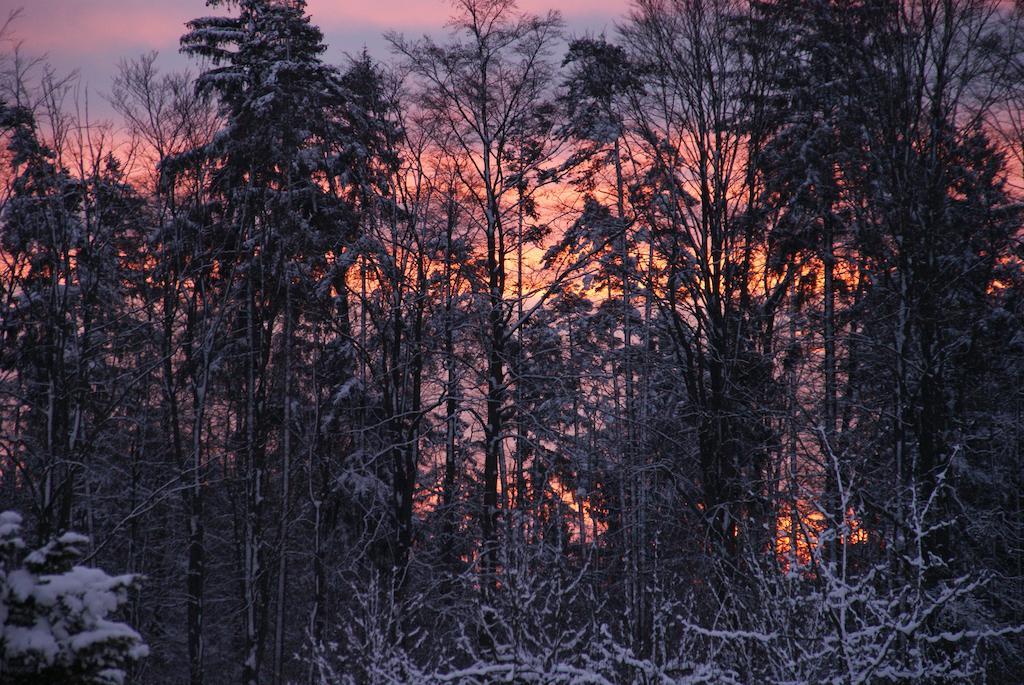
[[691, 352]]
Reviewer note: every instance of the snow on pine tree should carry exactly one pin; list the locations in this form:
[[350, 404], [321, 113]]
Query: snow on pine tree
[[39, 358], [54, 614], [281, 202]]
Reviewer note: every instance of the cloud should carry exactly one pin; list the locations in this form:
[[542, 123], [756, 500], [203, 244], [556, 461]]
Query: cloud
[[91, 36], [73, 27], [431, 14], [70, 27]]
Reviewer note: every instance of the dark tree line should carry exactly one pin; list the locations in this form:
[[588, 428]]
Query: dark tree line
[[690, 355]]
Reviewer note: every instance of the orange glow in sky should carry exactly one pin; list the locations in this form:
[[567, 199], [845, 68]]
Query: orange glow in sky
[[800, 536]]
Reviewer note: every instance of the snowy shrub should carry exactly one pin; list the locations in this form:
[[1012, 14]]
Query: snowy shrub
[[370, 644], [54, 625], [531, 628], [831, 621]]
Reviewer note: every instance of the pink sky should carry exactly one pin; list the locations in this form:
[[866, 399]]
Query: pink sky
[[92, 35]]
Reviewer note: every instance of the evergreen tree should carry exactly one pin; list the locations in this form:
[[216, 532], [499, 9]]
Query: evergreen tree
[[54, 625], [281, 144]]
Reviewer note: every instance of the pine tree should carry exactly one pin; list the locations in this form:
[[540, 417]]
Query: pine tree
[[70, 243], [283, 112], [54, 625]]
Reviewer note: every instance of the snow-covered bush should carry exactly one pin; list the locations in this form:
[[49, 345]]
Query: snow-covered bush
[[54, 625], [531, 628], [834, 619], [371, 643]]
